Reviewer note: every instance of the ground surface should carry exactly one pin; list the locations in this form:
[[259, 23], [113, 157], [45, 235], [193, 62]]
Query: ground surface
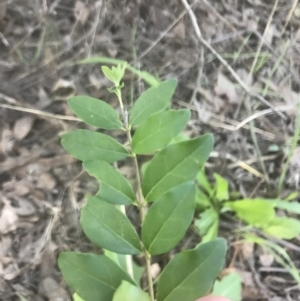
[[42, 188]]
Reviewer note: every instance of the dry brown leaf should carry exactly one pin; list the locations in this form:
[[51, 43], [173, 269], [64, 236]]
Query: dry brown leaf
[[271, 33], [23, 207], [63, 89], [5, 245], [14, 188], [247, 249], [8, 218], [47, 181], [179, 30], [7, 141], [95, 81], [49, 60], [11, 271], [155, 270], [127, 171], [81, 12], [266, 259], [213, 99], [52, 290], [226, 87], [291, 98], [23, 126], [44, 99]]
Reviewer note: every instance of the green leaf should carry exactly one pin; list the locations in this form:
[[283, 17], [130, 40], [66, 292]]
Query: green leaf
[[208, 225], [152, 101], [205, 221], [93, 277], [203, 182], [168, 219], [179, 138], [115, 74], [202, 200], [292, 196], [212, 232], [283, 228], [293, 207], [77, 298], [109, 74], [108, 227], [87, 145], [158, 130], [130, 292], [255, 212], [114, 188], [190, 274], [230, 287], [147, 77], [221, 188], [95, 112], [176, 164]]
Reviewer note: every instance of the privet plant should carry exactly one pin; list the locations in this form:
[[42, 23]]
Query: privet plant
[[164, 197]]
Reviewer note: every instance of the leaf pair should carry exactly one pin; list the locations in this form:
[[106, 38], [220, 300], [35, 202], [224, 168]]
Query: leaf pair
[[154, 133], [100, 114], [166, 223], [188, 276]]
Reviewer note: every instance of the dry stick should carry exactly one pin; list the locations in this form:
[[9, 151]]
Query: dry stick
[[224, 62], [261, 113], [40, 113], [289, 16], [247, 100]]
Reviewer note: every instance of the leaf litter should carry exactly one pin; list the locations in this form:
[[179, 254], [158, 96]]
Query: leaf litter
[[42, 187]]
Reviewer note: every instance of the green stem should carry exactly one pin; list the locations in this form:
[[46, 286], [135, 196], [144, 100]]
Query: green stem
[[142, 204], [128, 258]]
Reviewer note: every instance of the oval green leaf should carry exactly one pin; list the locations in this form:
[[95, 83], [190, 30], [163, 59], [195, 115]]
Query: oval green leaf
[[93, 277], [283, 228], [293, 207], [168, 219], [87, 145], [129, 292], [256, 212], [95, 112], [108, 227], [158, 130], [190, 274], [221, 188], [176, 164], [152, 101], [114, 187], [229, 286]]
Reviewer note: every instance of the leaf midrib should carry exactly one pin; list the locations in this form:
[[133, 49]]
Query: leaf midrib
[[185, 279], [92, 276], [115, 122], [155, 133], [180, 162], [117, 234], [167, 220]]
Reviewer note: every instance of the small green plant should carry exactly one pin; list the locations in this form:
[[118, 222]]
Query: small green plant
[[164, 198], [258, 214]]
